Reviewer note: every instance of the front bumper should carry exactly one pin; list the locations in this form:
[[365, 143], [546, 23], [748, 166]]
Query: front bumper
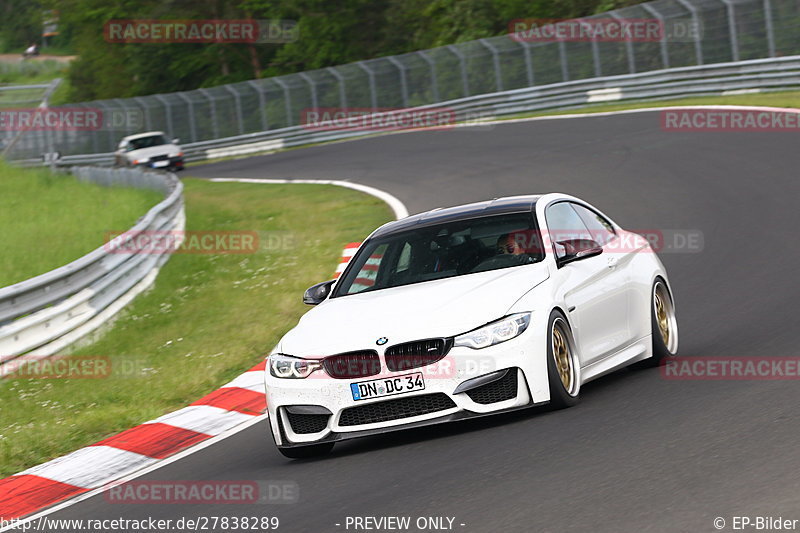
[[170, 162], [329, 400]]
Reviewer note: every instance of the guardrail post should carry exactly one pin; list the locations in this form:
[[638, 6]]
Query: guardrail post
[[168, 109], [287, 99], [434, 82], [498, 78], [770, 29], [663, 42], [463, 63], [262, 103], [372, 90], [192, 128], [213, 105], [342, 88], [732, 30], [403, 84], [238, 101], [698, 44]]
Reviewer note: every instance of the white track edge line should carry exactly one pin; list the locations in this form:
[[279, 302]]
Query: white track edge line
[[398, 207], [146, 470]]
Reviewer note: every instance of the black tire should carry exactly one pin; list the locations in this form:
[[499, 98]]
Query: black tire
[[661, 351], [560, 397], [307, 452]]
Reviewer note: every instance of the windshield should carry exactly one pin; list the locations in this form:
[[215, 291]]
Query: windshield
[[443, 251], [147, 142]]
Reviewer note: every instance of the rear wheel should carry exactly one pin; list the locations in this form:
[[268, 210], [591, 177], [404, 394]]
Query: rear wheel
[[306, 452], [562, 366]]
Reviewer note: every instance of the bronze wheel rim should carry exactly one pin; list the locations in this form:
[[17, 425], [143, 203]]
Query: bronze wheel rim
[[562, 356], [664, 313]]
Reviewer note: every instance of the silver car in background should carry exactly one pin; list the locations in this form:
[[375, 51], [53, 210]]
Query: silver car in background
[[151, 149]]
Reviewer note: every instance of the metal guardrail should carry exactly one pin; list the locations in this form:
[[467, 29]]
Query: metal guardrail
[[44, 314], [754, 75]]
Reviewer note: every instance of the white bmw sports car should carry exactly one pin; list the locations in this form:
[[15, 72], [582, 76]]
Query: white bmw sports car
[[468, 311]]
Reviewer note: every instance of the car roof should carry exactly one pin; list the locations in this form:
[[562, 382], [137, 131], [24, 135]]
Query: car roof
[[139, 135], [497, 206]]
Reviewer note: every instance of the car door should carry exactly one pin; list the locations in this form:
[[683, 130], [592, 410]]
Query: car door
[[593, 288]]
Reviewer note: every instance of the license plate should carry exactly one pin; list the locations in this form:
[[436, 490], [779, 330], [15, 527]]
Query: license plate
[[158, 164], [377, 388]]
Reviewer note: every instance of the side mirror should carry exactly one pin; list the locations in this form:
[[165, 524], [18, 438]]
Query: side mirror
[[316, 294], [578, 249], [176, 141]]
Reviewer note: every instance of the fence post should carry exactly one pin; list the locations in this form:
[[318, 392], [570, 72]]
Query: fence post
[[770, 29], [372, 89], [463, 63], [262, 103], [562, 54], [313, 86], [698, 45], [342, 88], [498, 77], [287, 99], [238, 101], [148, 124], [111, 139], [434, 82], [213, 105], [190, 105], [663, 42], [628, 47], [168, 112], [403, 84], [526, 47], [732, 30]]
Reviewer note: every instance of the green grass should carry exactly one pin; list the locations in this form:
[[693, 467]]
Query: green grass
[[207, 319], [48, 220]]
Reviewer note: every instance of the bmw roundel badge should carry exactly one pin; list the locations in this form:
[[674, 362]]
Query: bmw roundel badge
[[381, 341]]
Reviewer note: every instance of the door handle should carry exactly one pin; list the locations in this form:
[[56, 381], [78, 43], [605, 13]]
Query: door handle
[[612, 263]]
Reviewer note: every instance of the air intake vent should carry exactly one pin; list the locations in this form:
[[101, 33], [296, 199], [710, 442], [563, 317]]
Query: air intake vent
[[395, 409], [304, 424], [499, 390], [416, 353]]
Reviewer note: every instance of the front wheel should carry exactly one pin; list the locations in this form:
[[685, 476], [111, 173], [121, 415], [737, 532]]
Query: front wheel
[[664, 324], [563, 370], [307, 452]]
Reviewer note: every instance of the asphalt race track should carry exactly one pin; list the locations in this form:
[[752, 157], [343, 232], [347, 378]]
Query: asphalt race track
[[639, 453]]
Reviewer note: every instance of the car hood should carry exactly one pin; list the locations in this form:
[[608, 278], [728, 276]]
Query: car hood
[[440, 308], [151, 151]]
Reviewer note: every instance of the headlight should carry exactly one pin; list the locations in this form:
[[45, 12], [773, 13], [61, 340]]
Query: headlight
[[500, 331], [141, 161], [289, 367]]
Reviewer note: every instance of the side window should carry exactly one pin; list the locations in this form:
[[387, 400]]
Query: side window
[[366, 277], [563, 224], [405, 259], [601, 229]]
